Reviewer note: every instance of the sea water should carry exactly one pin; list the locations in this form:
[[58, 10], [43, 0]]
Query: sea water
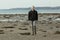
[[25, 11]]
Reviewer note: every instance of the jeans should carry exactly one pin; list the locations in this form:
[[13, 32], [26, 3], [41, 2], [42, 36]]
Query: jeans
[[34, 27]]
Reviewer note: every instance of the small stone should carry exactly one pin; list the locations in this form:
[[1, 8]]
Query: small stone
[[42, 30], [57, 32], [44, 35], [23, 28], [51, 27], [57, 27], [8, 27], [1, 31], [25, 33], [11, 30]]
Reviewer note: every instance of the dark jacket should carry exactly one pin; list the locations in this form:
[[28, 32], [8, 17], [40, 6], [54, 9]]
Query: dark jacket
[[32, 15]]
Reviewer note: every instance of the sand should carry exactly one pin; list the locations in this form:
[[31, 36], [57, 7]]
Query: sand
[[20, 29]]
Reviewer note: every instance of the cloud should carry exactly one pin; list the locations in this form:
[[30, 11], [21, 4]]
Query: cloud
[[27, 3]]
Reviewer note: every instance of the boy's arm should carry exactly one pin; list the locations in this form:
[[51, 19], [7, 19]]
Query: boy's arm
[[28, 15], [37, 15]]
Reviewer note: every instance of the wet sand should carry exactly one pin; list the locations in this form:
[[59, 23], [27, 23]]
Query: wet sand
[[20, 29]]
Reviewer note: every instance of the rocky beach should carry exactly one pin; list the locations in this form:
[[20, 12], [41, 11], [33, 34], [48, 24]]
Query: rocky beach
[[18, 27]]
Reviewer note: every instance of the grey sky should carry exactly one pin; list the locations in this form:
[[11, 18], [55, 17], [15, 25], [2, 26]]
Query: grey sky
[[28, 3]]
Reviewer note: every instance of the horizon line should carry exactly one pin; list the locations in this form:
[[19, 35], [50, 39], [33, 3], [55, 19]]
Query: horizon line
[[29, 7]]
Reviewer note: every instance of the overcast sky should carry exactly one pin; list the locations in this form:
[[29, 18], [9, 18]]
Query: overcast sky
[[5, 4]]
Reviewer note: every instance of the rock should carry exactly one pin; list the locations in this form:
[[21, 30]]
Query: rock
[[42, 30], [57, 27], [8, 27], [49, 19], [44, 35], [11, 30], [57, 32], [1, 31], [51, 27], [50, 22], [14, 24], [23, 28], [28, 33], [25, 23]]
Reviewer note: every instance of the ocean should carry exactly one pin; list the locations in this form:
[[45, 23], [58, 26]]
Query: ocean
[[26, 10]]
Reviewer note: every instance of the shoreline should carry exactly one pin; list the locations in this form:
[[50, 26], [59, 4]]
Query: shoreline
[[38, 14]]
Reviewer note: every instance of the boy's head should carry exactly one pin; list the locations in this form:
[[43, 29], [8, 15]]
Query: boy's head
[[33, 8]]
